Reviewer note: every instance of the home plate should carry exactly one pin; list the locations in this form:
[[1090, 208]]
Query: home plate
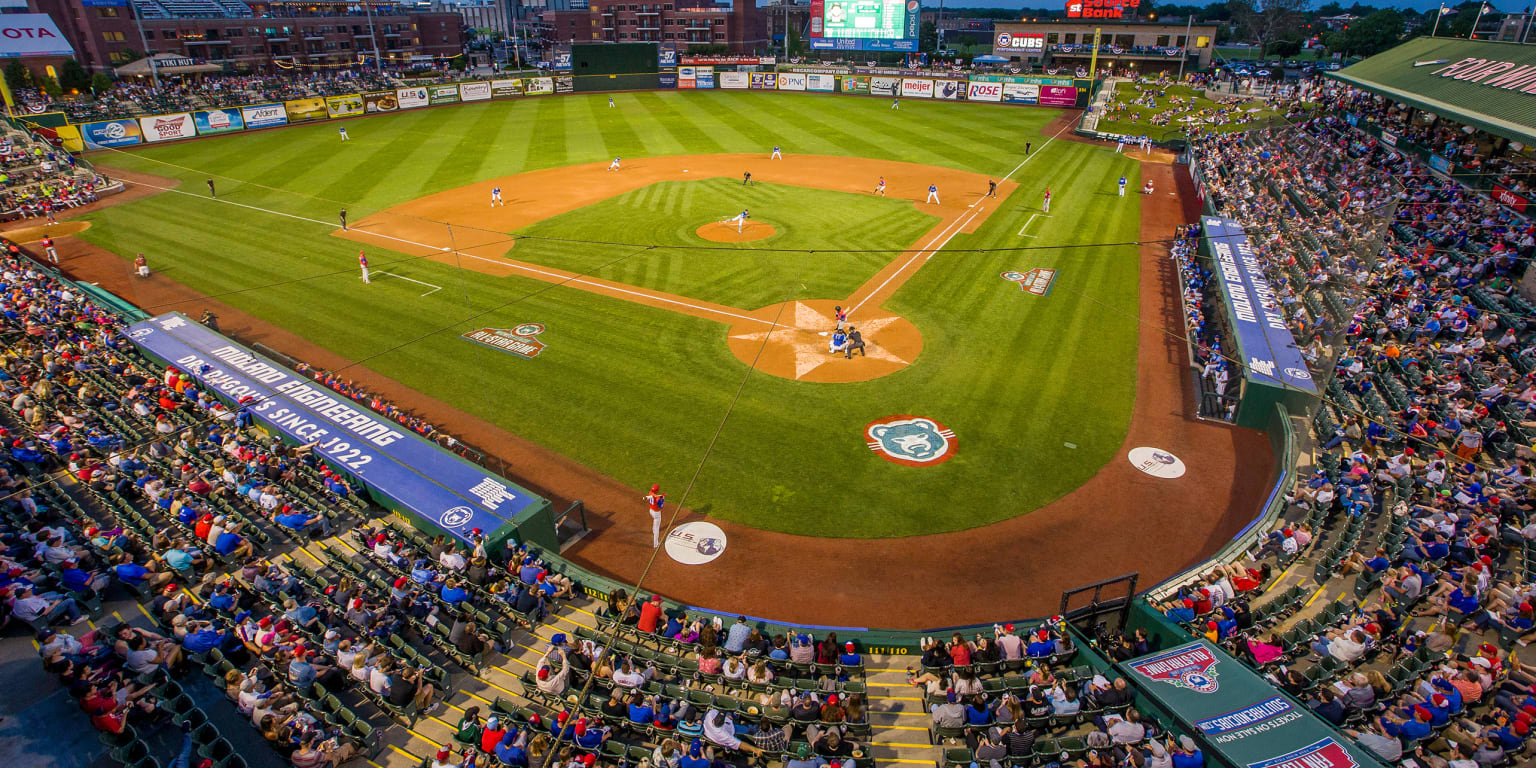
[[821, 333], [685, 170]]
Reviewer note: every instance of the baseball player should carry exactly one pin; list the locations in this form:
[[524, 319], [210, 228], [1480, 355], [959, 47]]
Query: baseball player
[[362, 261], [880, 188], [1119, 145], [141, 265], [343, 131], [654, 501], [53, 255], [610, 102], [1047, 207], [739, 219], [614, 166], [48, 209], [841, 316], [991, 188], [211, 193], [343, 217], [1146, 189], [776, 154], [933, 193], [1122, 186], [1026, 148], [496, 197], [746, 178], [895, 103]]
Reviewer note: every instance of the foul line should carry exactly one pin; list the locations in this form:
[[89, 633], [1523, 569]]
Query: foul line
[[930, 250], [435, 287], [1032, 218]]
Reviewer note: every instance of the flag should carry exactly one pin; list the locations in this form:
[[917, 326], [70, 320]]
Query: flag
[[1444, 10]]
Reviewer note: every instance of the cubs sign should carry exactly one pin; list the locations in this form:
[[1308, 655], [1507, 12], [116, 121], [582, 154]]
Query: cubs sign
[[520, 341], [1191, 666], [913, 441]]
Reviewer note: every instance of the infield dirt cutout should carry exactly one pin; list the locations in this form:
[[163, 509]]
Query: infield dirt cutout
[[726, 232], [460, 228]]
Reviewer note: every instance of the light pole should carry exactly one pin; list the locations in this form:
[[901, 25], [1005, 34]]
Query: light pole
[[938, 30], [378, 62], [1438, 14], [1189, 25], [154, 72]]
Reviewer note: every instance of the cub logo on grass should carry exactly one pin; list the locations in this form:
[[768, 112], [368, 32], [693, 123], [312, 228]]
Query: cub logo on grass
[[456, 517], [1036, 281], [911, 440], [1322, 754], [1191, 666], [520, 341]]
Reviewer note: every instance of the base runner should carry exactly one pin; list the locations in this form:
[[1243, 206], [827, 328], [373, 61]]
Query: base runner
[[654, 502], [1047, 207], [53, 254], [362, 261], [141, 265], [614, 166]]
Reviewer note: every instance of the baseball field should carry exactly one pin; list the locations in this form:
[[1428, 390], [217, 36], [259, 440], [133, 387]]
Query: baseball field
[[671, 348]]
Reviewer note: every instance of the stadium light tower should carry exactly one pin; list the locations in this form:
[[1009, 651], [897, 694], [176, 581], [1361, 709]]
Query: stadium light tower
[[154, 72], [378, 63]]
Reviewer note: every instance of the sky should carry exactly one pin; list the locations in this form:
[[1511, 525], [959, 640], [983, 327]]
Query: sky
[[1508, 6]]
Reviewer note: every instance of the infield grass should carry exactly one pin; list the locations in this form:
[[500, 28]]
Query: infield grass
[[640, 393]]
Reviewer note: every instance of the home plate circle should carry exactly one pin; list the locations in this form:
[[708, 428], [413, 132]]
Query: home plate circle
[[1156, 462], [695, 543]]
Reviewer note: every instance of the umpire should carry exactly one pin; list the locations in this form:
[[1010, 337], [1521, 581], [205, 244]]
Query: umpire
[[855, 341]]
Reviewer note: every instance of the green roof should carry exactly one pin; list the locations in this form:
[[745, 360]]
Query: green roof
[[1496, 90]]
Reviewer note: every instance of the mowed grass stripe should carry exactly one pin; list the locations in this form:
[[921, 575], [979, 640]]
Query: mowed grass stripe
[[548, 148], [584, 139], [618, 136], [686, 134], [700, 109], [462, 161]]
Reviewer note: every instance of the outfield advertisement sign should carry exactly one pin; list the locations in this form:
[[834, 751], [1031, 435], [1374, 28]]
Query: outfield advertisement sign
[[792, 81], [821, 83], [885, 86], [443, 94], [1236, 713], [565, 84], [305, 110], [110, 133], [541, 86], [855, 84], [411, 98], [345, 106], [504, 88], [666, 56], [735, 80], [214, 121], [1021, 93], [479, 91], [704, 77], [979, 91], [391, 460], [764, 80], [1263, 338], [666, 79], [949, 89], [264, 115], [381, 101], [687, 78], [918, 88], [168, 127], [1058, 95]]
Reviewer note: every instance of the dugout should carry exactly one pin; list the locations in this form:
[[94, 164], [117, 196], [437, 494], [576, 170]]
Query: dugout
[[615, 66]]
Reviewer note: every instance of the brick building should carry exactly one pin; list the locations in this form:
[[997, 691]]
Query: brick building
[[1145, 47], [252, 37], [738, 24]]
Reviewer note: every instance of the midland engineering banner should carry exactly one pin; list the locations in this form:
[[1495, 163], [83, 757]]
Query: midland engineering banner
[[734, 80], [504, 88], [439, 487], [1237, 713], [1265, 342], [443, 94], [820, 82]]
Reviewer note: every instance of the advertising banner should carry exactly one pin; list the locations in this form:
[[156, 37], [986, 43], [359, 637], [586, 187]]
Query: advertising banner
[[666, 56], [791, 81], [704, 77], [855, 84], [1058, 95], [1389, 138], [687, 78], [666, 79], [735, 80], [212, 121], [504, 88], [31, 34], [380, 101], [1032, 79], [388, 458], [1440, 164], [345, 106], [885, 86], [820, 83], [264, 115], [1265, 341], [168, 127], [541, 86], [305, 110], [1025, 43], [479, 91], [765, 80], [411, 98], [1021, 93], [110, 133], [917, 88], [1509, 197], [949, 89], [443, 94], [979, 91], [565, 84], [562, 60], [740, 60]]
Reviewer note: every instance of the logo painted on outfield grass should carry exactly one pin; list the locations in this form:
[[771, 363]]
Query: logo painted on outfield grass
[[914, 441], [1190, 666], [695, 543], [1036, 281], [519, 341], [1156, 462]]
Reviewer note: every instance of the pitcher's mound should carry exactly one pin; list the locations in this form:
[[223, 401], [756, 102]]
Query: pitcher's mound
[[726, 233]]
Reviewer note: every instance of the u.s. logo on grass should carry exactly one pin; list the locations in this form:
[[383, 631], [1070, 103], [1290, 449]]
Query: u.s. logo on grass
[[914, 441]]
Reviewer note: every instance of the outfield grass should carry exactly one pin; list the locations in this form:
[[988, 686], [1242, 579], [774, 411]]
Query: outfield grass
[[639, 393], [1124, 124]]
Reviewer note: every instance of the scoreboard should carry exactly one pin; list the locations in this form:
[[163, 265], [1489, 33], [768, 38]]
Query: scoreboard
[[864, 25]]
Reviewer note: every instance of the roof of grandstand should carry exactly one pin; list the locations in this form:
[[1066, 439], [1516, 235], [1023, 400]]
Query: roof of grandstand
[[1485, 84]]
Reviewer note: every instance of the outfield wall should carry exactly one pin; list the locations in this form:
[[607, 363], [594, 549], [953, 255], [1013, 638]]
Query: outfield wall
[[1017, 90]]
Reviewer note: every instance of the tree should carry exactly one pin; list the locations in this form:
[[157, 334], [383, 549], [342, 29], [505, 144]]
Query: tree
[[73, 77], [101, 82], [17, 76], [49, 86], [928, 37], [1368, 36], [1266, 21], [794, 44], [459, 63]]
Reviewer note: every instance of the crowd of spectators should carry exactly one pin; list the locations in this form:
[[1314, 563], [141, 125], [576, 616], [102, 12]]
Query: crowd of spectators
[[36, 179], [137, 97]]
